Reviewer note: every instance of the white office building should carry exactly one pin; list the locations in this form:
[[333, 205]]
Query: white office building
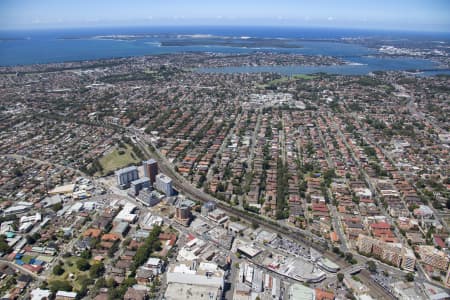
[[164, 184], [126, 175]]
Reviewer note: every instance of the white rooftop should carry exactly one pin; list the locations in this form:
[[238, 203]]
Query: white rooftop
[[38, 294], [164, 178]]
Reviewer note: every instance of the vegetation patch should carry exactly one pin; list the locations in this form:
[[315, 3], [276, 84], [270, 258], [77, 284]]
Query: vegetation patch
[[121, 156]]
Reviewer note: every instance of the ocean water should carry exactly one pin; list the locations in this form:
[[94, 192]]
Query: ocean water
[[46, 46], [359, 66]]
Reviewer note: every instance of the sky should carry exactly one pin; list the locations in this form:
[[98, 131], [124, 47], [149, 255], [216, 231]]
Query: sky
[[420, 15]]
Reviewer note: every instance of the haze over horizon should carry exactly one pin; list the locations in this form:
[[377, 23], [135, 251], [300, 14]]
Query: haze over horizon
[[416, 15]]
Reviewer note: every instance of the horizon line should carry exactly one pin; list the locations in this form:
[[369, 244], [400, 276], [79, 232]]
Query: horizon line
[[203, 25]]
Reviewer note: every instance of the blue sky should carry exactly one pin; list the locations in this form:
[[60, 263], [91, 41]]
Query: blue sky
[[428, 15]]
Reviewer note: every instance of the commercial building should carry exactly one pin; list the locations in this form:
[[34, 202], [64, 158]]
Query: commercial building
[[219, 216], [183, 213], [34, 218], [302, 270], [276, 288], [300, 292], [149, 221], [328, 265], [137, 185], [191, 280], [121, 228], [202, 274], [208, 207], [127, 214], [38, 294], [19, 208], [257, 282], [181, 291], [249, 250], [164, 184], [150, 169], [235, 228], [126, 175], [149, 197], [154, 264], [63, 295]]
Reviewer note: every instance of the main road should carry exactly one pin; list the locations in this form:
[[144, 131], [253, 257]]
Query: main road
[[182, 185], [307, 238]]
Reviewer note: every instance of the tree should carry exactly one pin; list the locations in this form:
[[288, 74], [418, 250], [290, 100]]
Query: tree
[[86, 254], [126, 242], [97, 270], [84, 280], [113, 249], [151, 244], [99, 283], [60, 285], [4, 247], [348, 256], [83, 264], [409, 277], [340, 277], [30, 239], [57, 206], [336, 250], [58, 270], [372, 266]]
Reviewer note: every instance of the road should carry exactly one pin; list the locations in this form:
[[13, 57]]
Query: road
[[376, 289], [21, 269], [420, 272], [412, 107], [44, 162], [295, 234], [339, 228], [223, 146], [181, 184]]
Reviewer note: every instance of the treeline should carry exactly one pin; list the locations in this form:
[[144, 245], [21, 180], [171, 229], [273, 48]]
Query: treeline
[[282, 190], [4, 247], [93, 167], [151, 244], [135, 148]]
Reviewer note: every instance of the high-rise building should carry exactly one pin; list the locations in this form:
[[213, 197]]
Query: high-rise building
[[150, 169], [139, 184], [164, 184], [208, 207], [183, 213], [126, 175]]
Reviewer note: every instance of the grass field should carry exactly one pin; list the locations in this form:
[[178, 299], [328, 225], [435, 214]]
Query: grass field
[[304, 76], [288, 78], [117, 158], [70, 267]]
